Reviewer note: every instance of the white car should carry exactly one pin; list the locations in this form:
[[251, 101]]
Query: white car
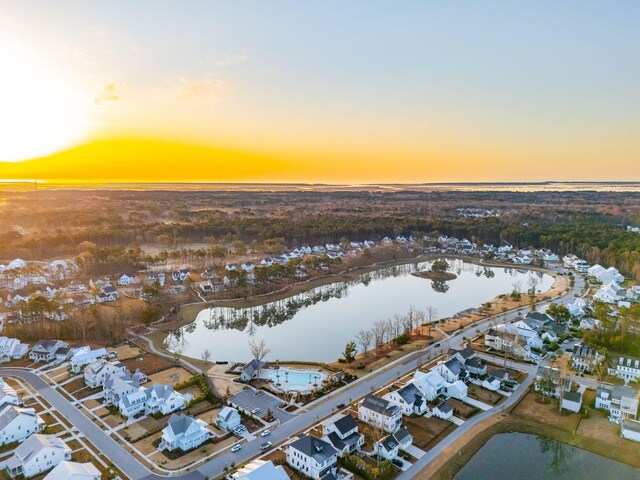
[[264, 433], [235, 448], [255, 411]]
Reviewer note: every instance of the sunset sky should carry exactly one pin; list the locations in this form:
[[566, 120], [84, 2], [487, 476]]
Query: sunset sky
[[333, 91]]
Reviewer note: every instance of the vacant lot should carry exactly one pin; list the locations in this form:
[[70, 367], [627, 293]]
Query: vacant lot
[[532, 407], [125, 352], [148, 363], [462, 410], [171, 376], [427, 432], [484, 395]]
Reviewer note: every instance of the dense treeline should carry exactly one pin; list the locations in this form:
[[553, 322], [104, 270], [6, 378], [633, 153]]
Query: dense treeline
[[111, 224]]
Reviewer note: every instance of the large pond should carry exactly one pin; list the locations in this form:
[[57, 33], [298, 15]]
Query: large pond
[[316, 325], [518, 455]]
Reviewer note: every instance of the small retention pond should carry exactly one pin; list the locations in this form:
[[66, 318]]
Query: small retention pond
[[517, 456]]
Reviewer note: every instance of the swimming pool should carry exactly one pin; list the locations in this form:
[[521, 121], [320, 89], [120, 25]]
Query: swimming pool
[[293, 380]]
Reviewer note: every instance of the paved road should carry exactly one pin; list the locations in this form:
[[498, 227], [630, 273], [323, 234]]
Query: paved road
[[215, 467]]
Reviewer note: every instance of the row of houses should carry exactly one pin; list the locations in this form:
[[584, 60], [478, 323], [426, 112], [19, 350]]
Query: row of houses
[[124, 389]]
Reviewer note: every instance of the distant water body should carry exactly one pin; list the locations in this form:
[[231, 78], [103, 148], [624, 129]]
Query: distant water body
[[9, 185]]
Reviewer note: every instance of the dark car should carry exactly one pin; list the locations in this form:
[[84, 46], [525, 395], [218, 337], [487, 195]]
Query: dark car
[[340, 405], [398, 463], [437, 344]]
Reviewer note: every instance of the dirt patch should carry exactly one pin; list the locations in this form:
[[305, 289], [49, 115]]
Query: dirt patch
[[113, 420], [74, 385], [125, 352], [427, 432], [484, 395], [533, 407], [148, 363], [134, 432], [461, 409], [171, 376]]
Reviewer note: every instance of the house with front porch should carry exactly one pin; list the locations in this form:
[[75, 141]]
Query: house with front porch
[[184, 432], [85, 356], [430, 384], [228, 418], [408, 398], [620, 401], [389, 447], [36, 455], [45, 350], [97, 372], [312, 457], [627, 368], [343, 435], [380, 413]]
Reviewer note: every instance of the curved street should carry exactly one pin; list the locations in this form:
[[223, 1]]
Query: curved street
[[135, 470]]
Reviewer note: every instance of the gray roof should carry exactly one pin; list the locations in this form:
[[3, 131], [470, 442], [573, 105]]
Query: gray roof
[[179, 423], [410, 394], [319, 450], [380, 405], [47, 346], [499, 373], [34, 444], [253, 366], [573, 397], [346, 424], [632, 425], [455, 366], [445, 407], [392, 441], [620, 391]]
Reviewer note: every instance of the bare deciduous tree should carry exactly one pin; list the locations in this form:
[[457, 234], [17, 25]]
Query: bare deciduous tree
[[364, 339]]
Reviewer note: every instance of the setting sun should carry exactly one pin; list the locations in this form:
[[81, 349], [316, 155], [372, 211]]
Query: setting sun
[[40, 111]]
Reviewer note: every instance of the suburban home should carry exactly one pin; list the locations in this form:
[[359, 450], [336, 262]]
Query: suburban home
[[502, 340], [228, 418], [389, 446], [155, 399], [380, 413], [430, 384], [621, 402], [443, 410], [97, 372], [312, 457], [491, 383], [251, 370], [180, 275], [36, 455], [550, 382], [627, 368], [85, 356], [126, 279], [46, 350], [472, 363], [260, 470], [108, 293], [74, 471], [120, 385], [630, 429], [8, 395], [585, 358], [572, 401], [17, 423], [343, 435], [408, 398], [457, 389], [452, 370], [184, 432]]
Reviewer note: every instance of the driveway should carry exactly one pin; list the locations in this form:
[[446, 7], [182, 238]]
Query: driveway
[[247, 400]]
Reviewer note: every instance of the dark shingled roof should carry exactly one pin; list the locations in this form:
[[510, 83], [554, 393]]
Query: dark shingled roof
[[319, 450], [346, 424]]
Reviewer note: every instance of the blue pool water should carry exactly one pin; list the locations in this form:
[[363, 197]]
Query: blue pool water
[[295, 380]]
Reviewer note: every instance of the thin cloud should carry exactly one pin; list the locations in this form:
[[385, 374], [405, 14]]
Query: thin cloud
[[231, 59], [109, 93], [206, 87]]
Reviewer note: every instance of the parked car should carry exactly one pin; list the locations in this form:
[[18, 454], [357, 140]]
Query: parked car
[[437, 345], [264, 433], [237, 431], [265, 445], [242, 428], [397, 462], [340, 405], [235, 448]]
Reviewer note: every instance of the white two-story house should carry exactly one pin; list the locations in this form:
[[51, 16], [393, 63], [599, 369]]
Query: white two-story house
[[312, 457], [627, 368], [343, 435], [184, 432], [36, 455], [408, 398], [380, 413], [18, 424], [621, 402]]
